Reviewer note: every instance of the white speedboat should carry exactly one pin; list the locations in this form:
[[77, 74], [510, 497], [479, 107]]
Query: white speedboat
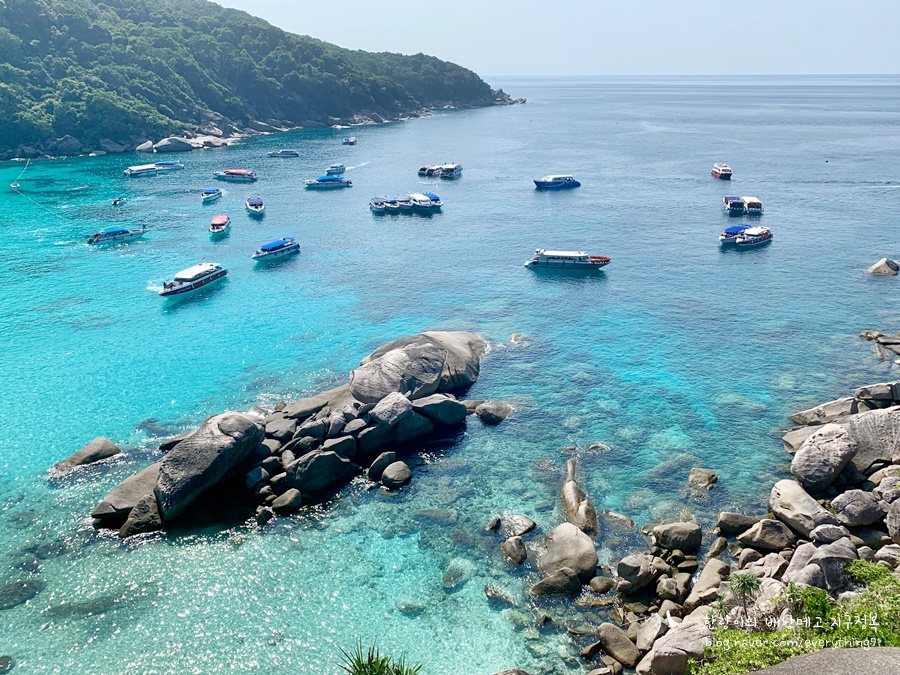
[[284, 153], [219, 225], [425, 202], [569, 260], [391, 205], [141, 170], [733, 205], [277, 249], [752, 206], [404, 204], [349, 140], [237, 175], [377, 205], [430, 170], [451, 171], [116, 235], [327, 183], [169, 165], [209, 195], [335, 170], [255, 206], [193, 278], [722, 171], [556, 182], [753, 236], [730, 235]]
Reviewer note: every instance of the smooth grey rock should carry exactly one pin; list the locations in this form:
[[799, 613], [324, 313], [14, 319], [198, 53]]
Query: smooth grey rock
[[174, 144], [893, 522], [354, 426], [562, 582], [440, 409], [822, 457], [748, 556], [771, 566], [578, 507], [832, 559], [730, 523], [110, 146], [146, 146], [67, 145], [318, 472], [881, 391], [255, 477], [714, 573], [411, 427], [280, 428], [826, 534], [493, 412], [636, 570], [384, 460], [650, 631], [703, 478], [391, 409], [336, 422], [144, 517], [170, 443], [567, 546], [717, 548], [877, 436], [671, 652], [793, 506], [413, 371], [889, 554], [793, 439], [827, 412], [305, 408], [768, 535], [684, 537], [516, 526], [97, 449], [601, 584], [615, 642], [885, 266], [221, 443], [113, 509], [514, 549], [345, 446], [396, 475], [855, 508], [288, 502], [372, 440]]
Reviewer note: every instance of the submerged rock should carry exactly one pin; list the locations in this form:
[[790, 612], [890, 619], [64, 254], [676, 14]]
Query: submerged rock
[[19, 592], [97, 449]]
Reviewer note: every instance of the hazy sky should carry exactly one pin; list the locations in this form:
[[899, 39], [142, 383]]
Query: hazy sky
[[610, 37]]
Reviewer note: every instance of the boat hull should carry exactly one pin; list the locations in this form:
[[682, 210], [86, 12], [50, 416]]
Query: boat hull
[[117, 239], [256, 213], [274, 255], [184, 289], [211, 198], [556, 185], [328, 186], [721, 176], [565, 265], [235, 179], [761, 241], [221, 232]]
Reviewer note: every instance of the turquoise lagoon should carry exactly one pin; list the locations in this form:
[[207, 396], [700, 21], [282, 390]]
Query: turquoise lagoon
[[680, 354]]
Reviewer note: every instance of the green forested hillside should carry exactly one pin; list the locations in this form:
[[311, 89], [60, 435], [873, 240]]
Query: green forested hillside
[[121, 69]]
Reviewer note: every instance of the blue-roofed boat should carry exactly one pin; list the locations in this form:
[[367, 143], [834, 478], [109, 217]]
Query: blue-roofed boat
[[754, 236], [284, 153], [335, 170], [391, 205], [425, 202], [277, 249], [733, 205], [327, 183], [193, 278], [730, 235], [116, 235], [556, 182], [255, 206], [209, 195]]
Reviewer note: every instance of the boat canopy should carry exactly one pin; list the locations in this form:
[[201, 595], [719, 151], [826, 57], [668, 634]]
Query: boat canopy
[[254, 201], [432, 196], [112, 231], [219, 220], [735, 229], [211, 191], [732, 198], [562, 254], [331, 179], [278, 243], [192, 273], [237, 172], [756, 231], [142, 167]]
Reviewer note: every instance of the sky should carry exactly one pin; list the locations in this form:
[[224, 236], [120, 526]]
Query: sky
[[610, 37]]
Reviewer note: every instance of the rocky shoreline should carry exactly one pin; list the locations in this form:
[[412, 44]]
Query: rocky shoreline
[[218, 131]]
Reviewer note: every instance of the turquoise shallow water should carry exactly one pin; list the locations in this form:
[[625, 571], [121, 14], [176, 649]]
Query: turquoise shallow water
[[679, 355]]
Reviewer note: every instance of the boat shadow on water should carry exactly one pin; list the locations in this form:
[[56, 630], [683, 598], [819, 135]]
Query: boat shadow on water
[[566, 276]]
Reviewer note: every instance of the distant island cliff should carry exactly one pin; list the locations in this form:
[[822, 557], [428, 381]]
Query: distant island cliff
[[82, 75]]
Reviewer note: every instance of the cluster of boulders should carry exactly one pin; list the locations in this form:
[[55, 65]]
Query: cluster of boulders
[[304, 451], [500, 97]]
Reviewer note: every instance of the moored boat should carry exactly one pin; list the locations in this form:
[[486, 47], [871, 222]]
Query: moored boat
[[377, 205], [255, 206], [277, 249], [722, 171], [556, 182], [236, 175], [753, 236], [284, 153], [392, 205], [116, 235], [219, 225], [327, 183], [404, 204], [335, 170], [425, 202], [753, 206], [141, 170], [451, 171], [118, 201], [349, 140], [730, 235], [430, 170], [733, 205], [169, 165], [193, 278], [210, 195], [570, 260]]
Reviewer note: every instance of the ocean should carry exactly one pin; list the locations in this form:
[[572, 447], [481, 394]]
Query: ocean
[[679, 354]]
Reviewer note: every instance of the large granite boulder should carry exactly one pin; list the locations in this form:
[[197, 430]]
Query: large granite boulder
[[146, 146], [615, 642], [768, 535], [832, 559], [798, 561], [440, 409], [222, 443], [113, 510], [493, 412], [67, 145], [877, 436], [671, 652], [391, 409], [855, 508], [893, 522], [97, 449], [318, 471], [414, 371], [714, 573], [822, 457], [880, 391], [144, 517], [580, 511], [396, 475], [793, 506], [174, 144], [567, 546], [462, 362], [685, 537], [827, 412], [730, 523], [562, 582], [635, 572], [885, 266]]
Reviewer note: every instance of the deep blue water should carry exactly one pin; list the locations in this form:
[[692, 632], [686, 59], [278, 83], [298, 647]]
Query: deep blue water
[[680, 354]]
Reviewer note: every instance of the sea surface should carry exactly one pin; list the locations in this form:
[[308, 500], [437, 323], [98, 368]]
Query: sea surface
[[679, 354]]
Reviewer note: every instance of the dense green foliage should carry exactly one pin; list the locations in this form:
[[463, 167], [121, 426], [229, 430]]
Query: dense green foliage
[[124, 68], [843, 624], [370, 662]]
